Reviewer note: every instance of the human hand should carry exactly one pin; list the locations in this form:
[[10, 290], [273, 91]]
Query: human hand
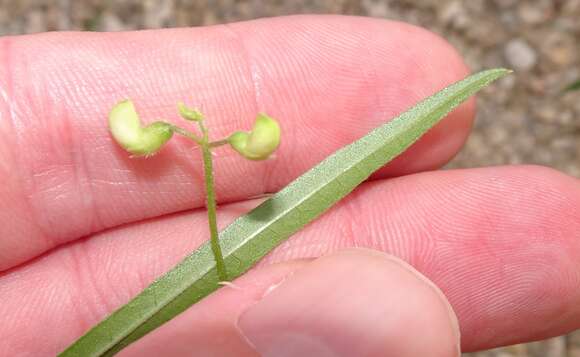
[[83, 228]]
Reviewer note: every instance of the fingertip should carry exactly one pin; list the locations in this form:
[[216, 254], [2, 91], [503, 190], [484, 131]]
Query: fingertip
[[353, 303]]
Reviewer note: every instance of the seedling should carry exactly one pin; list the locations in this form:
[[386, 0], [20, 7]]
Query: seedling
[[252, 236]]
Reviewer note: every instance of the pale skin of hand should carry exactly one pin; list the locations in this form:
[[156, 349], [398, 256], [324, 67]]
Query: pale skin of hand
[[83, 228]]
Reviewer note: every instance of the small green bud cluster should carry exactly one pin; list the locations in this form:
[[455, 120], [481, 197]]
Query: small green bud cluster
[[189, 113], [128, 131], [139, 140]]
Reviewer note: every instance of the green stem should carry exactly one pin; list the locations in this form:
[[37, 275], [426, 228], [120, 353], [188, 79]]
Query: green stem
[[187, 134], [211, 208], [215, 144], [206, 147]]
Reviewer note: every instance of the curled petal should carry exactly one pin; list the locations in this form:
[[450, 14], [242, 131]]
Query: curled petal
[[259, 143], [129, 133]]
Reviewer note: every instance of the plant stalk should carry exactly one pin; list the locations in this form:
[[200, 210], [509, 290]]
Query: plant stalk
[[217, 143], [211, 208], [206, 147], [187, 134]]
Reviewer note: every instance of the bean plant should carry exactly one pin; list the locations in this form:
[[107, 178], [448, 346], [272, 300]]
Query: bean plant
[[239, 246]]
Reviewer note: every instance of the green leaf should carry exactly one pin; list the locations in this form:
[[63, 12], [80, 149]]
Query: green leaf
[[572, 87], [253, 235]]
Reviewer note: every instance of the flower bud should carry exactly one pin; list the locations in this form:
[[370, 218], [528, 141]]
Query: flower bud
[[259, 143], [189, 113], [127, 130]]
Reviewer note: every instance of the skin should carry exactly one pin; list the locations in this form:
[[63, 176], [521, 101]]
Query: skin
[[83, 228]]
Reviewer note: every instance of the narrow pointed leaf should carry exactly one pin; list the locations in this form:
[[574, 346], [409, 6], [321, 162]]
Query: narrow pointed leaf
[[253, 235]]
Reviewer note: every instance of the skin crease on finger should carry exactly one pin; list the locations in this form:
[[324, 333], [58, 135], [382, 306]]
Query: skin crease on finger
[[64, 178], [509, 264]]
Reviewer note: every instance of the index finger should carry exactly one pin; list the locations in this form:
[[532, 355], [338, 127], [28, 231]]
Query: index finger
[[328, 80]]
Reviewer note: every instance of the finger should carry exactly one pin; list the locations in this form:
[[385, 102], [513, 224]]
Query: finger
[[64, 178], [502, 244], [352, 303]]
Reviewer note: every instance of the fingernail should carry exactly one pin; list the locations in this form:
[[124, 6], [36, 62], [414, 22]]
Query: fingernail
[[284, 336]]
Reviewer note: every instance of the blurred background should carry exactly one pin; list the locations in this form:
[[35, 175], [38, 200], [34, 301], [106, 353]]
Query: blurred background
[[526, 118]]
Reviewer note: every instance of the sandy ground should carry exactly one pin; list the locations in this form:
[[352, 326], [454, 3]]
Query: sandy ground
[[525, 119]]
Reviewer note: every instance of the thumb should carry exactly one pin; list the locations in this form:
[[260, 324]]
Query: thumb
[[353, 303]]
